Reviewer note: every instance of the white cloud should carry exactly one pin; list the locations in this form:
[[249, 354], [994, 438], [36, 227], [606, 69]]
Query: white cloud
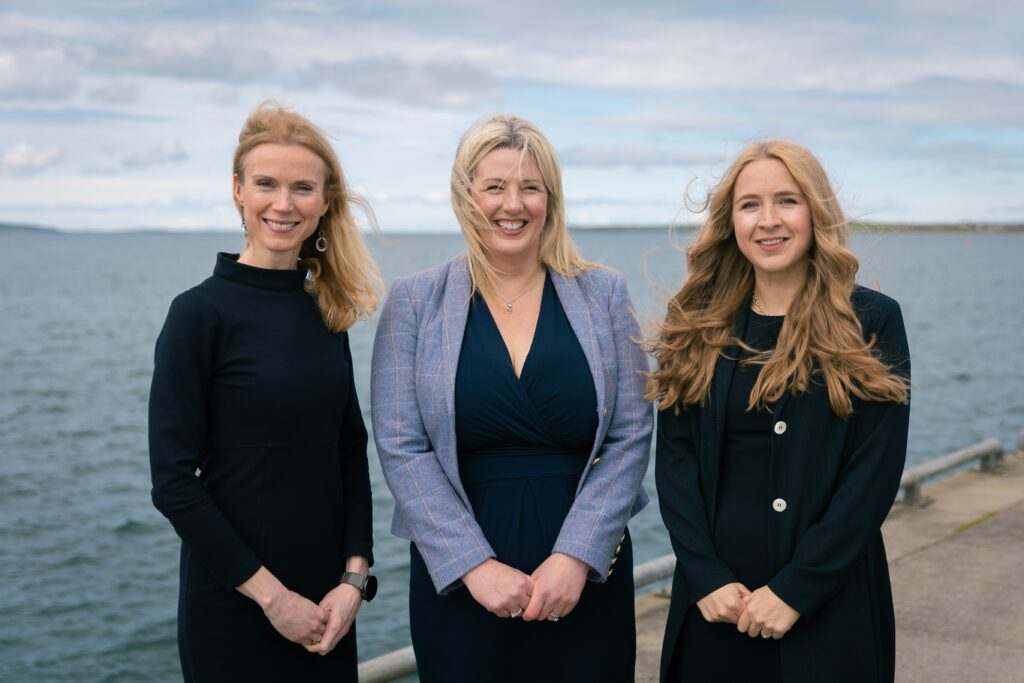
[[169, 151], [23, 159]]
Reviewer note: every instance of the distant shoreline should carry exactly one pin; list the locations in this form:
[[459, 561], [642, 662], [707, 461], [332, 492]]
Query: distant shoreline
[[855, 226]]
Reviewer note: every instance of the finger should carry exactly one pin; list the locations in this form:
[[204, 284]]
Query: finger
[[535, 608], [743, 623]]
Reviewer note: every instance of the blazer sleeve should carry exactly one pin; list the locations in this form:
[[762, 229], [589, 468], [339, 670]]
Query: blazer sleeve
[[867, 487], [183, 367], [677, 476], [598, 516], [435, 517], [357, 507]]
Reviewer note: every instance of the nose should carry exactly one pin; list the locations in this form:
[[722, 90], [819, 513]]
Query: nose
[[283, 200], [513, 200], [769, 217]]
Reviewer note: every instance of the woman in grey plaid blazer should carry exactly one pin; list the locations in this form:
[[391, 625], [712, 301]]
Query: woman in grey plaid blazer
[[509, 418]]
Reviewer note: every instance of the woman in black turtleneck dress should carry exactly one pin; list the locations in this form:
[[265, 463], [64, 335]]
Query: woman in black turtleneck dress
[[257, 442]]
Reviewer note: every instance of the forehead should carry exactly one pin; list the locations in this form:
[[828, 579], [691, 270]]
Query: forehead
[[295, 160], [765, 175], [508, 163]]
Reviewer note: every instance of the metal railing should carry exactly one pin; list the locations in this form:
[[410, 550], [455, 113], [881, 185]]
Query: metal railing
[[989, 452]]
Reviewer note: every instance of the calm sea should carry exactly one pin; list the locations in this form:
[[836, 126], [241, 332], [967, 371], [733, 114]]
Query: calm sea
[[88, 569]]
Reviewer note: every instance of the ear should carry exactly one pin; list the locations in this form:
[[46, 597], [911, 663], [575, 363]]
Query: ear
[[237, 189]]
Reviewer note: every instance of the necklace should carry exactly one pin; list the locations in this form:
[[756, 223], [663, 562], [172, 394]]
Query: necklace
[[756, 304], [508, 304]]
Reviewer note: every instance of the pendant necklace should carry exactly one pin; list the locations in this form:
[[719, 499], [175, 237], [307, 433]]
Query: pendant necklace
[[508, 304], [757, 304]]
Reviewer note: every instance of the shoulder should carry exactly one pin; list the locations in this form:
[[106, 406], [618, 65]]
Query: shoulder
[[872, 307], [199, 303], [423, 283], [600, 281]]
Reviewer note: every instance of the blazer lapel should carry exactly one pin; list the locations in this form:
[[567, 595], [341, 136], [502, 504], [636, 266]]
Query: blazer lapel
[[576, 310], [455, 308]]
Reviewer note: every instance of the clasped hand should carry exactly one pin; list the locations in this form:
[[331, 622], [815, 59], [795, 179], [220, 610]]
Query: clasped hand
[[757, 613], [551, 591]]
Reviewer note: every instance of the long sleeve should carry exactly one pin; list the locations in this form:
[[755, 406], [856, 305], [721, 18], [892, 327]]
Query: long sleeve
[[183, 367], [867, 486], [677, 476], [357, 524], [595, 523], [437, 519]]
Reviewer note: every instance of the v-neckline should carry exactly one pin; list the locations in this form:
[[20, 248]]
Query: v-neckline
[[501, 339]]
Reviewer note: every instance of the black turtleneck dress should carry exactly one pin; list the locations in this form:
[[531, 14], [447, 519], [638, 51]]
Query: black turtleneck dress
[[258, 456]]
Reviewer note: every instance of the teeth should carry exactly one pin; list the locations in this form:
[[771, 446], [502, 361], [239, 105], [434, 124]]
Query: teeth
[[510, 225], [276, 225], [771, 242]]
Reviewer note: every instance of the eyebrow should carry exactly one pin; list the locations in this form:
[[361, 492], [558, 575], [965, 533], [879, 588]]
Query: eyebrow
[[502, 180], [264, 176], [784, 193]]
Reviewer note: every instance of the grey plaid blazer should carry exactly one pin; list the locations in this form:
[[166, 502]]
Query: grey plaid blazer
[[415, 357]]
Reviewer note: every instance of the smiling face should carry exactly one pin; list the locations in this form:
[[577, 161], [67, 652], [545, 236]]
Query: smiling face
[[772, 221], [281, 193], [508, 188]]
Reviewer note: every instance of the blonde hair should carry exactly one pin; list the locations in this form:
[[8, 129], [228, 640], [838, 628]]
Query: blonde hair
[[344, 279], [821, 334], [557, 250]]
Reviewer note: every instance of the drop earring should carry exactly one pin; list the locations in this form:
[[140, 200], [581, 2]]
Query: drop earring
[[245, 228], [321, 242]]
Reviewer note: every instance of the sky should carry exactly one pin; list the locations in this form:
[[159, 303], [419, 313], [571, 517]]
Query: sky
[[124, 114]]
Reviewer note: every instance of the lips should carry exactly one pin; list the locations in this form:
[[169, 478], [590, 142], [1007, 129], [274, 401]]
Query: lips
[[771, 243]]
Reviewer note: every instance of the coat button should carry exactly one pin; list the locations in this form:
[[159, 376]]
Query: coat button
[[610, 571], [596, 460], [604, 411], [779, 504], [615, 559], [780, 427]]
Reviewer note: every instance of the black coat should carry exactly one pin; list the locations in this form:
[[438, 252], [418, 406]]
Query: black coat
[[832, 484]]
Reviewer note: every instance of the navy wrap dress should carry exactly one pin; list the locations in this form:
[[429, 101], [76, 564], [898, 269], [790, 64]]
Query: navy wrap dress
[[523, 443]]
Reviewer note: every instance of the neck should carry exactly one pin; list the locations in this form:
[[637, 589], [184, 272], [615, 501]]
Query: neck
[[514, 276], [776, 294]]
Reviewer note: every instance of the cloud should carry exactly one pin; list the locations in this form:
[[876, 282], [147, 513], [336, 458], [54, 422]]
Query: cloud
[[22, 159], [170, 151], [433, 83], [35, 75], [637, 157], [115, 93]]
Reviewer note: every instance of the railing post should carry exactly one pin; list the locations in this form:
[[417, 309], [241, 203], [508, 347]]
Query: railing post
[[911, 485], [1020, 441]]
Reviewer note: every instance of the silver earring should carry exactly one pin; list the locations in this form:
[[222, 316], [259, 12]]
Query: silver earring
[[245, 228], [321, 242]]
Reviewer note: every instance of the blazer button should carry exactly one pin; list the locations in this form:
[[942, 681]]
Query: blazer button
[[596, 460], [779, 505], [615, 559], [780, 427], [604, 411], [610, 571], [618, 549]]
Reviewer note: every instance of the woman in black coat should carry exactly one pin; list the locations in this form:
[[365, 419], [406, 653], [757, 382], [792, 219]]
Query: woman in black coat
[[783, 390], [256, 440]]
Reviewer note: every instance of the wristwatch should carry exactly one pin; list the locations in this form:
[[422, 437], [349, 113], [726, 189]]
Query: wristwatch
[[366, 583]]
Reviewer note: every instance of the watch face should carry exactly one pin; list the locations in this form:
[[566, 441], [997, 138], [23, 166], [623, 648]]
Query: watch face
[[370, 589]]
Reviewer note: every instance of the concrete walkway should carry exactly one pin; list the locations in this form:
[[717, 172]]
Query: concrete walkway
[[957, 567]]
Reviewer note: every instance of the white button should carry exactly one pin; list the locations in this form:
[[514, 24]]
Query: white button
[[780, 427], [604, 411], [779, 504]]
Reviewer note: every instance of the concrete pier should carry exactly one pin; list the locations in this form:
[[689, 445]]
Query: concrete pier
[[956, 562]]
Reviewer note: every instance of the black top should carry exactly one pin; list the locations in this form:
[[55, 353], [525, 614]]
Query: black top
[[257, 442], [495, 411], [742, 528]]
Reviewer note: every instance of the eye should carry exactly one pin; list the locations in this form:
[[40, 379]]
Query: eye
[[303, 188], [493, 188], [263, 182], [532, 188], [790, 200], [748, 204]]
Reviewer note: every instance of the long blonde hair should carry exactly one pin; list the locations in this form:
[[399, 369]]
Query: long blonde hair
[[821, 334], [502, 131], [344, 279]]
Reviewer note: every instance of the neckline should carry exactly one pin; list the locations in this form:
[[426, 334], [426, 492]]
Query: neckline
[[479, 299], [228, 268]]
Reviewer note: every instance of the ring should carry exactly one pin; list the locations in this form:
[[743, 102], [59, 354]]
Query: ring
[[516, 613], [315, 642], [553, 617], [765, 634]]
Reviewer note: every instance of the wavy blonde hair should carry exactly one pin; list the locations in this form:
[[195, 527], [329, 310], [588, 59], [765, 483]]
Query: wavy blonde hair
[[821, 337], [344, 279], [503, 131]]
